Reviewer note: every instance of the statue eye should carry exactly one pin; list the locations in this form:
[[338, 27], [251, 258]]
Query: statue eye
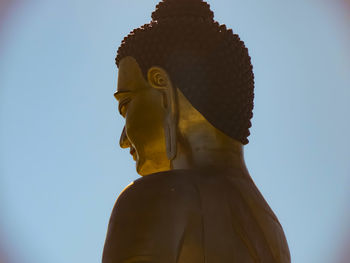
[[123, 106]]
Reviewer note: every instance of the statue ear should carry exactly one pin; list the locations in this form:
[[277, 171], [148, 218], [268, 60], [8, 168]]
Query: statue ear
[[159, 79]]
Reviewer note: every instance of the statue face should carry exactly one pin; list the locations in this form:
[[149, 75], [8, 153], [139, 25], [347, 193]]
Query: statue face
[[142, 106]]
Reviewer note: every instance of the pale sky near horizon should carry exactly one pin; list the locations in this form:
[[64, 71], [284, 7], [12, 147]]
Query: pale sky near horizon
[[61, 169]]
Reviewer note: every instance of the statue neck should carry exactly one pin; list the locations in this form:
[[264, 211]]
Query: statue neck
[[204, 148], [200, 144]]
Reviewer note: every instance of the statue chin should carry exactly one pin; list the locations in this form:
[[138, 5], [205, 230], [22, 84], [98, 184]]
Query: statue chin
[[141, 167], [145, 167]]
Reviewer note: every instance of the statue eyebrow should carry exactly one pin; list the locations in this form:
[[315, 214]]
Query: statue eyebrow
[[122, 94]]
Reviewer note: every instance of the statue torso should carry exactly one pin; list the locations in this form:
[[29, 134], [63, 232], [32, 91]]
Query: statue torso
[[193, 216]]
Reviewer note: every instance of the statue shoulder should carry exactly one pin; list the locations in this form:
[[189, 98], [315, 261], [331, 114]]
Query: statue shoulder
[[157, 193], [149, 218]]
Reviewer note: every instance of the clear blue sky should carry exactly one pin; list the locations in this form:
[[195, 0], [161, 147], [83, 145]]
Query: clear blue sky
[[60, 164]]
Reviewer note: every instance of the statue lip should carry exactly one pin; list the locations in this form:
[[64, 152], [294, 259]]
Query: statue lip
[[132, 152]]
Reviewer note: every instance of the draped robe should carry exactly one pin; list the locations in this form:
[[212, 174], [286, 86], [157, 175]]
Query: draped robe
[[194, 216]]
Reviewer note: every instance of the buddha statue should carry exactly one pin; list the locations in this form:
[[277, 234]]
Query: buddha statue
[[186, 89]]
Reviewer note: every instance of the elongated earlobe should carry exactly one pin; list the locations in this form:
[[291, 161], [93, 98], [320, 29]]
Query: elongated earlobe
[[158, 79], [171, 125]]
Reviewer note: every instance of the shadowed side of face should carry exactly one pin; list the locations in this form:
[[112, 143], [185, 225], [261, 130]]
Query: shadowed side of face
[[142, 106]]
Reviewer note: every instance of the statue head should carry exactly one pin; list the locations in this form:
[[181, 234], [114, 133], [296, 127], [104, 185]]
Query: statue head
[[184, 82]]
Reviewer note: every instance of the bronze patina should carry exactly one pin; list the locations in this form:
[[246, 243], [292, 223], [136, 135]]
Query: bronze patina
[[185, 89]]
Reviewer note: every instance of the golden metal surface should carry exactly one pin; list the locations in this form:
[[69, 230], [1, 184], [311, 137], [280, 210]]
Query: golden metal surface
[[142, 106], [163, 130], [196, 202]]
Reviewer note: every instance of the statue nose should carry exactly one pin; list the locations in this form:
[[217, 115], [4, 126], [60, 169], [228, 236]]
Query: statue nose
[[124, 141]]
